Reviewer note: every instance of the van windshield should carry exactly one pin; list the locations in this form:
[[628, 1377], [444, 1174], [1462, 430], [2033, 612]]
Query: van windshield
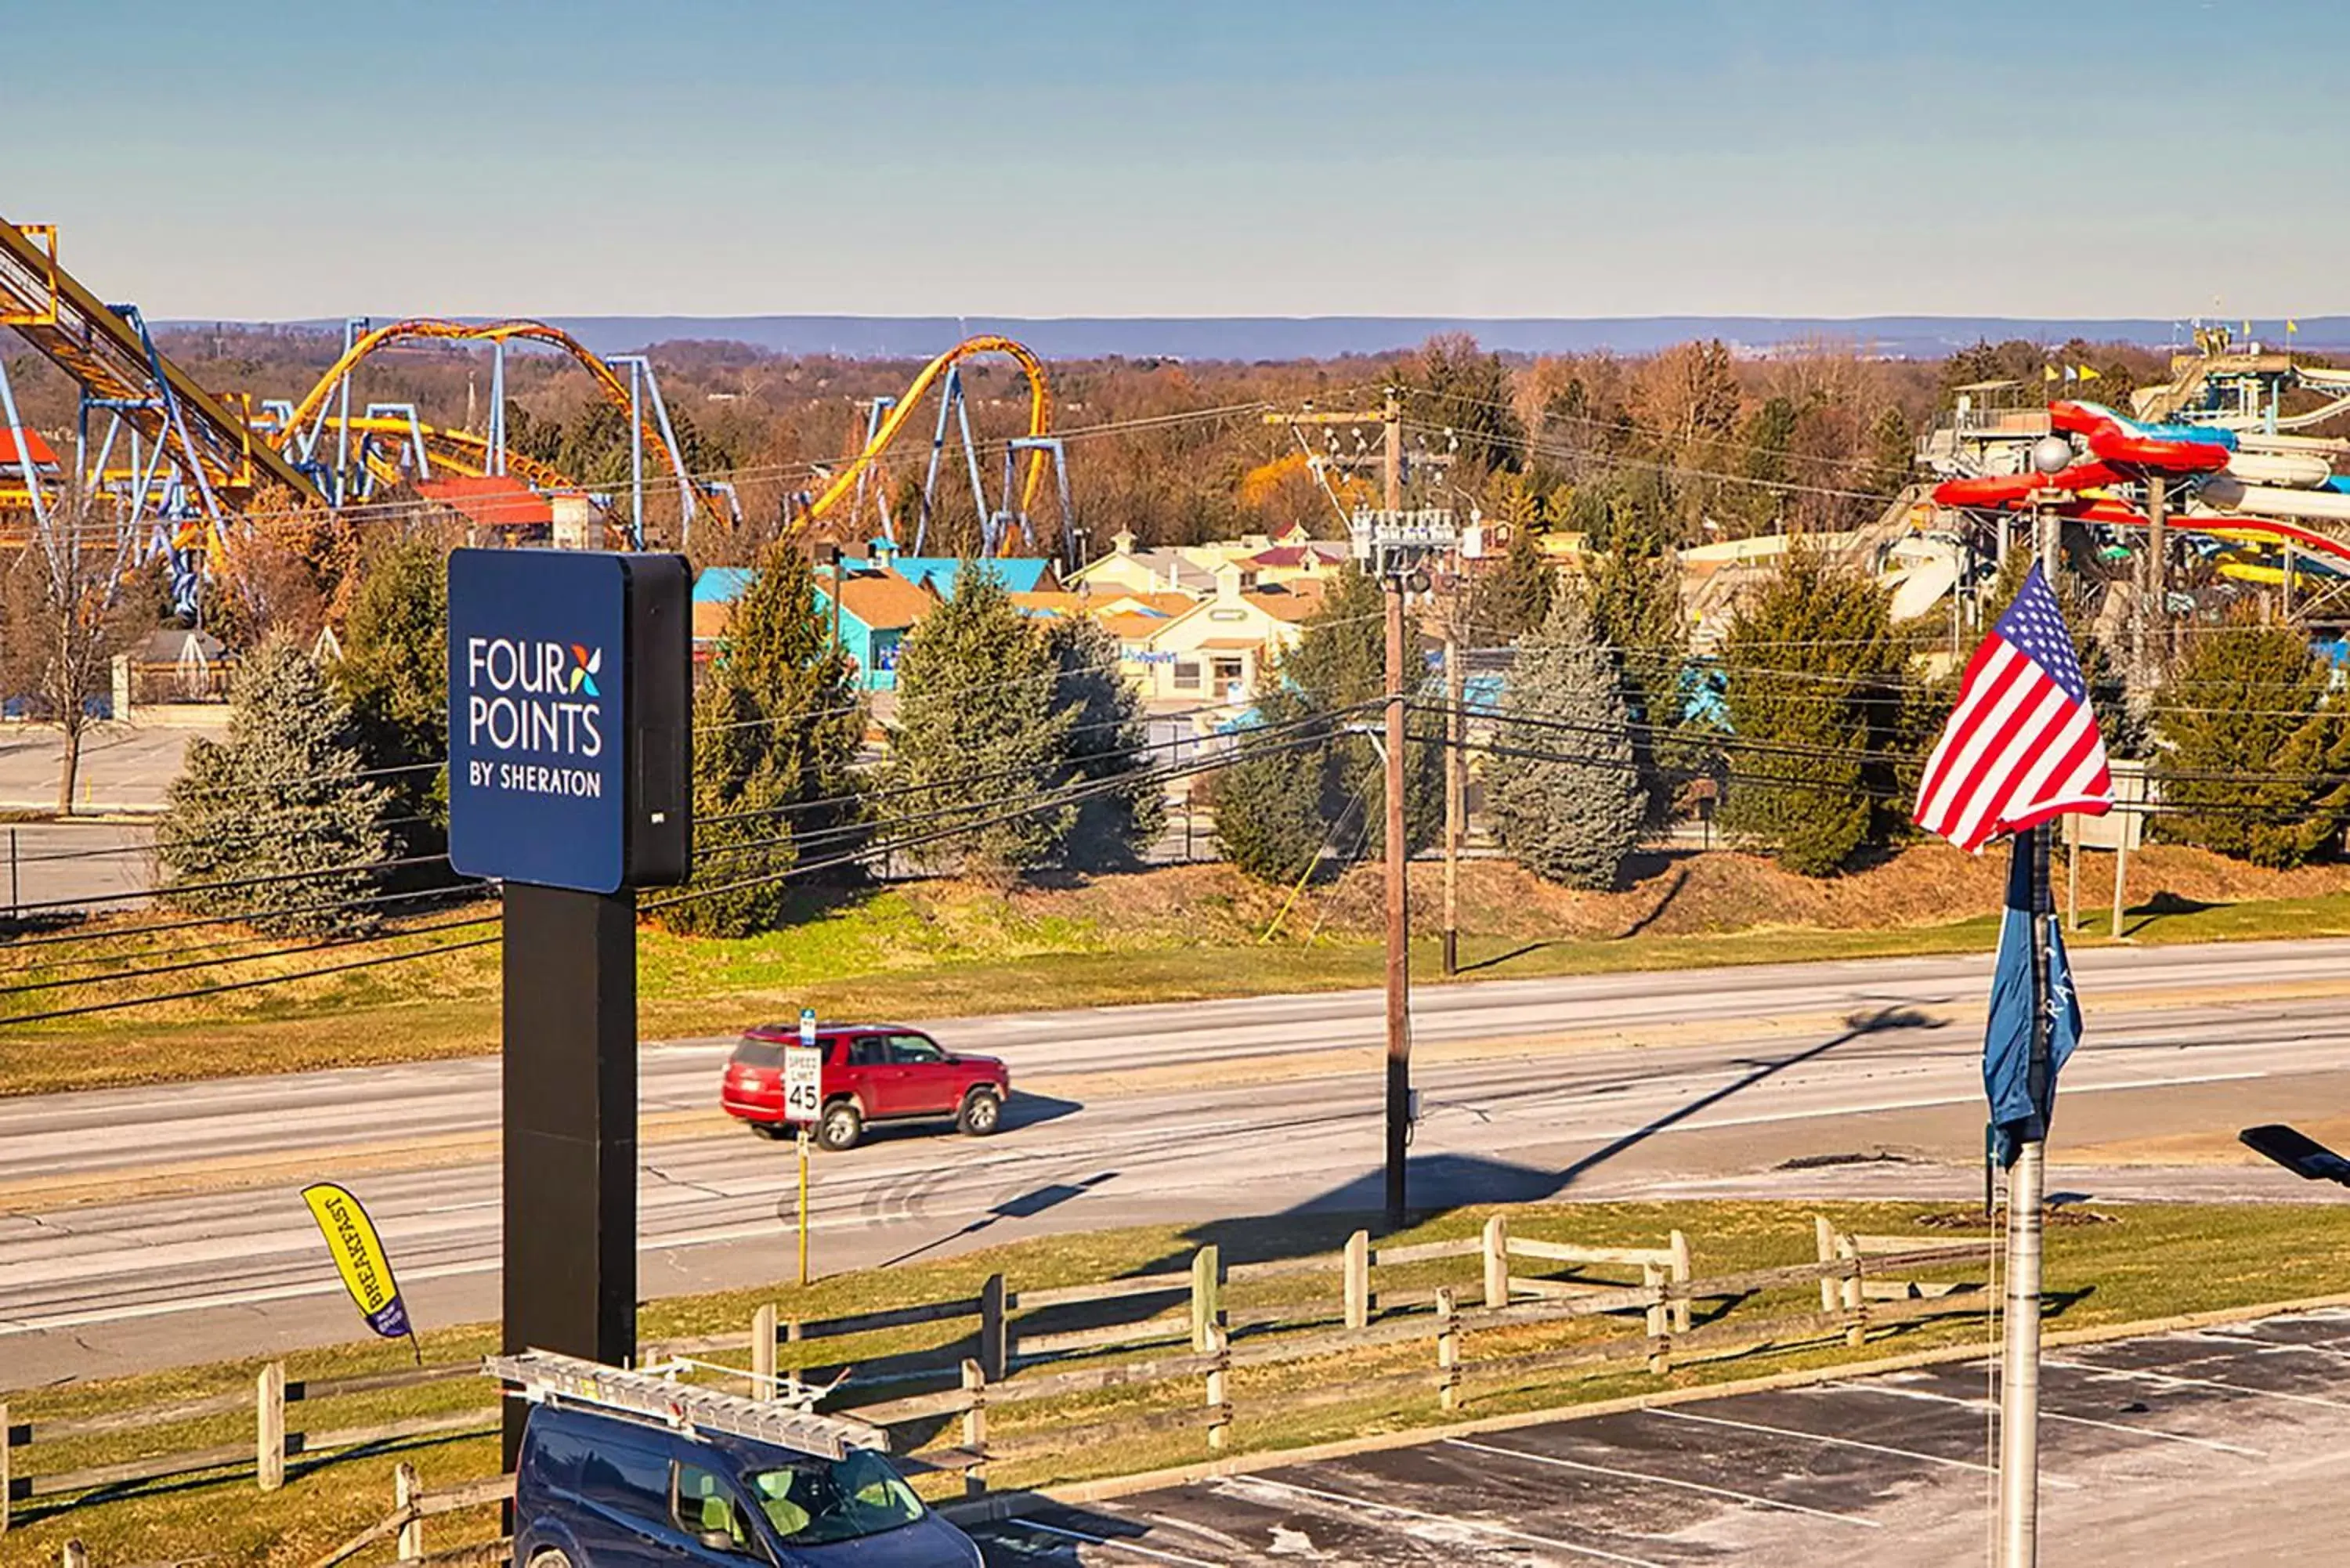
[[815, 1500]]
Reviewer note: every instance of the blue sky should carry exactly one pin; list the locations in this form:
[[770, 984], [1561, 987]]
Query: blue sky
[[1189, 157]]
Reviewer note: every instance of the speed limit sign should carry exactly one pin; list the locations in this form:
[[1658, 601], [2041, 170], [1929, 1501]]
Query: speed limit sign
[[802, 1082]]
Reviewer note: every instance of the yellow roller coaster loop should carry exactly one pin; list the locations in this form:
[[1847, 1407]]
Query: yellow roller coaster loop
[[1040, 418], [607, 381]]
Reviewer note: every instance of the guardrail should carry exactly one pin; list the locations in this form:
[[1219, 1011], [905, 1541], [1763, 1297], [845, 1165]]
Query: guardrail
[[1022, 1348]]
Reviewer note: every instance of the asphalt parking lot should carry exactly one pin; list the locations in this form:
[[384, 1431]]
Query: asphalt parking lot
[[2225, 1446]]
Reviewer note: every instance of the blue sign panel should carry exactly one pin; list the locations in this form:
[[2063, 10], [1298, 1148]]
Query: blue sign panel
[[537, 729]]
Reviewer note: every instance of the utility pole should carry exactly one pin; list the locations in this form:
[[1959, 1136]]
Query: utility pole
[[1392, 546], [1398, 901], [2158, 568], [1455, 795]]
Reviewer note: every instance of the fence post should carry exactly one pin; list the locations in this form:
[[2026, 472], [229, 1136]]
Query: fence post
[[1358, 1280], [1682, 1273], [74, 1555], [994, 1335], [1661, 1343], [1825, 1233], [1206, 1306], [1856, 1332], [1497, 1260], [1219, 1414], [974, 1427], [269, 1427], [793, 1333], [763, 1352], [404, 1493], [1447, 1349]]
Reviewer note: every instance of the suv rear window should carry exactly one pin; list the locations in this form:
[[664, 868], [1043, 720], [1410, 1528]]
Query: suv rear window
[[750, 1052]]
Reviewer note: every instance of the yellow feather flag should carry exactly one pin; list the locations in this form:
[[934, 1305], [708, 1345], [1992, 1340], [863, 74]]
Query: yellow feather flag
[[2048, 373], [2291, 327], [2088, 374]]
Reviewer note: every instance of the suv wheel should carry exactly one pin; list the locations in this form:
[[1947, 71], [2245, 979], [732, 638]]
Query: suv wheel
[[983, 1112], [842, 1126], [550, 1558]]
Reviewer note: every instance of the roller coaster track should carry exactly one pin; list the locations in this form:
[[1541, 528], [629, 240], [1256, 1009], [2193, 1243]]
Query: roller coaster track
[[309, 417], [111, 357], [1040, 417]]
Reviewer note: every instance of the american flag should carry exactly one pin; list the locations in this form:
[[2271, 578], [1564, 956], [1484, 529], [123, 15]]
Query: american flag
[[2021, 745]]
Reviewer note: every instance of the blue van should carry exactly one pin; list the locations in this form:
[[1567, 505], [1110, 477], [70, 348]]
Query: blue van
[[594, 1490]]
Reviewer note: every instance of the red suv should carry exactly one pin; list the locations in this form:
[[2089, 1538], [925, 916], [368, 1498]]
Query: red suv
[[872, 1072]]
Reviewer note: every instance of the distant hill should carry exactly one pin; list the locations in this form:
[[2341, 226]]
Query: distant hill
[[1251, 338]]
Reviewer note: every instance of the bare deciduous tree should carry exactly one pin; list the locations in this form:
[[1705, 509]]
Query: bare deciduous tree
[[67, 605]]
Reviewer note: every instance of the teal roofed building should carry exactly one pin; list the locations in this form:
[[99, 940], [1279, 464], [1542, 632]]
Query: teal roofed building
[[940, 574], [877, 610]]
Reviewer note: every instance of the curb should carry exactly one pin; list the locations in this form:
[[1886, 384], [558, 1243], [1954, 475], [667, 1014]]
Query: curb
[[1014, 1505]]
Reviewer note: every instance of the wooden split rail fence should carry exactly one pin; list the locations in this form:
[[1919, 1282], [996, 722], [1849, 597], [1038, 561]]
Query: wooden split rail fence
[[1167, 1329]]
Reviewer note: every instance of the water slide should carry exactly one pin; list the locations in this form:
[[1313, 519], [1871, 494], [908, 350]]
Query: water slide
[[2125, 451]]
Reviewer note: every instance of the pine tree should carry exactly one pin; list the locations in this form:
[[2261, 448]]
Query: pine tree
[[1277, 807], [2248, 727], [979, 735], [285, 798], [1574, 814], [1273, 806], [1106, 738], [1514, 598], [1814, 675], [777, 724], [394, 673]]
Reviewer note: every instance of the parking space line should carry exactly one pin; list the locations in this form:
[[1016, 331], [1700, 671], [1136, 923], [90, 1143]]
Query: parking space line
[[1039, 1525], [1596, 1554], [2092, 1369], [1981, 1406], [2057, 1482], [1747, 1496]]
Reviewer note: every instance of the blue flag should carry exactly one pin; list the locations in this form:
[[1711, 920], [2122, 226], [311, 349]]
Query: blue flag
[[2019, 1108]]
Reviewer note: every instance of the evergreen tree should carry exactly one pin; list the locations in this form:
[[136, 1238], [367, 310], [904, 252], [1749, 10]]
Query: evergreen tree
[[1514, 597], [1106, 738], [285, 797], [1336, 673], [394, 674], [980, 733], [1273, 814], [1814, 675], [1634, 610], [1574, 814], [2255, 751], [777, 724]]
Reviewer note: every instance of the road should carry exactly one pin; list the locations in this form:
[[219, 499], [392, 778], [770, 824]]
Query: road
[[2190, 1450], [124, 767], [154, 1226]]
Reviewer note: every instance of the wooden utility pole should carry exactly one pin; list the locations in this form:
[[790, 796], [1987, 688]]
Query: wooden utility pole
[[2158, 568], [1455, 794], [1399, 891], [1398, 901]]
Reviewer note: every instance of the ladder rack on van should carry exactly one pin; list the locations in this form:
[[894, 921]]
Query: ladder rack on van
[[543, 1376]]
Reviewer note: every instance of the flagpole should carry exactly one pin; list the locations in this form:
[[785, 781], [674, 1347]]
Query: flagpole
[[2019, 1386], [2018, 1389]]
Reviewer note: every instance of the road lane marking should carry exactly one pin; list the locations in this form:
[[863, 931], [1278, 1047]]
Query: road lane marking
[[2093, 1370], [2047, 1415], [1597, 1554], [1756, 1499], [1114, 1545], [2058, 1482]]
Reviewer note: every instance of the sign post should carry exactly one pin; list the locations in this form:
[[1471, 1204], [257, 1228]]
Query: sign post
[[569, 766], [803, 1104]]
